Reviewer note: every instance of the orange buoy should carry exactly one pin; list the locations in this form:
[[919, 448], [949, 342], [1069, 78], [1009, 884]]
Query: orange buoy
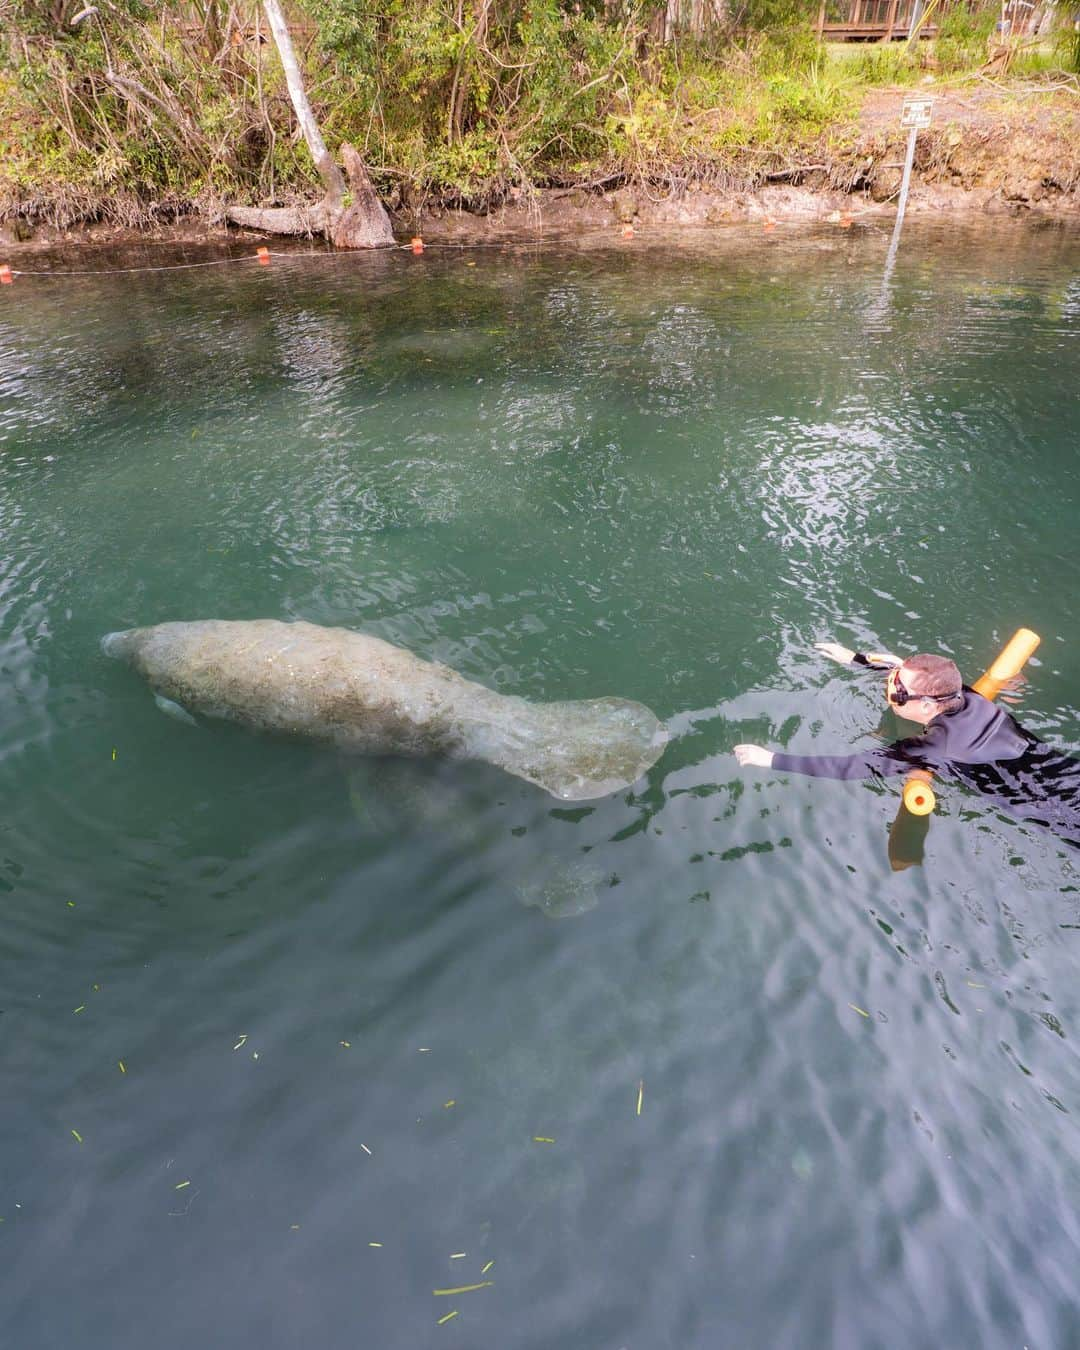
[[417, 243], [263, 255], [6, 279], [845, 221], [768, 223]]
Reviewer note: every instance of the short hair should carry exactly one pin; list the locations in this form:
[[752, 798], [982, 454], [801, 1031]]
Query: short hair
[[936, 676]]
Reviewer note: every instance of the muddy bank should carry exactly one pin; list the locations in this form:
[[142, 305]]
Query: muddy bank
[[640, 210], [988, 153], [557, 214]]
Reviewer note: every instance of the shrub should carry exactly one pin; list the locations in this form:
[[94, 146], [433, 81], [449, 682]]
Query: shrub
[[1067, 42], [963, 35]]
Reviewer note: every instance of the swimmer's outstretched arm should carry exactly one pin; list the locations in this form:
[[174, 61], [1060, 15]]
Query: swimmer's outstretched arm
[[847, 657], [900, 757], [914, 752]]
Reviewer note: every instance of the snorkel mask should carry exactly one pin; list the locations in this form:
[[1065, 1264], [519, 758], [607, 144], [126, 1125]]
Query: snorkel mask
[[898, 694]]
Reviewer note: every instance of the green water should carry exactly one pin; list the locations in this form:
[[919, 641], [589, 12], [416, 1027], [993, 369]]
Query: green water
[[655, 473]]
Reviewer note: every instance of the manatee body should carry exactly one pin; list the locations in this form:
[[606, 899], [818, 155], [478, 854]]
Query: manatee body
[[362, 694]]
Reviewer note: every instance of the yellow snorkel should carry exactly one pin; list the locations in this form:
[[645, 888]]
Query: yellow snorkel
[[1014, 657], [918, 794]]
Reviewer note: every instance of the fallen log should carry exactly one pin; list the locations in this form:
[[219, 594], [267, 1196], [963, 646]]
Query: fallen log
[[294, 220]]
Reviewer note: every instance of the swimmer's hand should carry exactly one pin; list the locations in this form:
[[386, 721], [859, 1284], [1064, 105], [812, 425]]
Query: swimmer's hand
[[876, 660], [1014, 688], [755, 755], [835, 652]]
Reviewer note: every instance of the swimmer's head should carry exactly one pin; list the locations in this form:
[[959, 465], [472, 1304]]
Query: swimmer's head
[[923, 686]]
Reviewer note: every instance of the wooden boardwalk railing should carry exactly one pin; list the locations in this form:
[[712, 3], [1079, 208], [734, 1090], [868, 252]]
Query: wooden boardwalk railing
[[873, 21]]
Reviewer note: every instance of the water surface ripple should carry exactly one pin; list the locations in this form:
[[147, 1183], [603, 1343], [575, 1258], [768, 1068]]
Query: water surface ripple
[[350, 999]]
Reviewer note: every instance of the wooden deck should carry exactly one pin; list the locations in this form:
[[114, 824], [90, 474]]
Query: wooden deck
[[872, 32], [871, 20]]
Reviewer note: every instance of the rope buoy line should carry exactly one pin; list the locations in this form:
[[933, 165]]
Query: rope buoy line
[[116, 271], [262, 255], [416, 245]]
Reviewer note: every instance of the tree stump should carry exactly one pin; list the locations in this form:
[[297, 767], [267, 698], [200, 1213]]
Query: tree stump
[[364, 222]]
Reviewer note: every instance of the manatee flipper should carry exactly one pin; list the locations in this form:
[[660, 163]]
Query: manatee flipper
[[172, 709]]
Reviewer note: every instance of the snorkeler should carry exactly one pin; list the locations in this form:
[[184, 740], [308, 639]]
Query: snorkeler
[[967, 737]]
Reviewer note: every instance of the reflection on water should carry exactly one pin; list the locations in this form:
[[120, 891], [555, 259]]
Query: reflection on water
[[342, 1014]]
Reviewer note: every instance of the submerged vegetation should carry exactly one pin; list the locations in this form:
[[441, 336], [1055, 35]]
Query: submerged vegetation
[[132, 112]]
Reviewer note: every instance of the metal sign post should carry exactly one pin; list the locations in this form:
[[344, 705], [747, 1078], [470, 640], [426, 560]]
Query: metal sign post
[[915, 115]]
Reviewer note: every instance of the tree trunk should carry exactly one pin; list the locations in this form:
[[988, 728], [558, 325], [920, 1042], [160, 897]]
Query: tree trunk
[[671, 20], [328, 170], [363, 223]]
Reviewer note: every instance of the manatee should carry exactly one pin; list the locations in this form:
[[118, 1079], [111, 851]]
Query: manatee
[[388, 794], [359, 693], [442, 344], [565, 893]]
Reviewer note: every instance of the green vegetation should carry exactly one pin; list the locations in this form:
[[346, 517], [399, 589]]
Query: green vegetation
[[962, 36], [1067, 47], [132, 112]]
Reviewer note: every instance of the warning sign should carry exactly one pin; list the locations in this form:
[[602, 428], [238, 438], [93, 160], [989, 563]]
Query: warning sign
[[916, 113]]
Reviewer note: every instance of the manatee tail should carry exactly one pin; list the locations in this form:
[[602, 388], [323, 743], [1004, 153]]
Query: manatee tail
[[575, 751]]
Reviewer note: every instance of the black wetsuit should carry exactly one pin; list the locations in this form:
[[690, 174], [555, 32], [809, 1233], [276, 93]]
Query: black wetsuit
[[981, 745]]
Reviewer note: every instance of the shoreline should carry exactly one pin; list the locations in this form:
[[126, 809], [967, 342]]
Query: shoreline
[[987, 154], [558, 216]]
